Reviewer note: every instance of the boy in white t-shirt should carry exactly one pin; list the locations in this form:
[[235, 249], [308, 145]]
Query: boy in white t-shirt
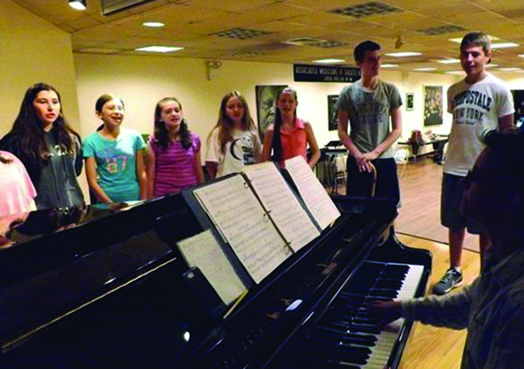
[[479, 103]]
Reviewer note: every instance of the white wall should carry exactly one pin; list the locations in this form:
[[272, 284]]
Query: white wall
[[33, 50], [143, 80]]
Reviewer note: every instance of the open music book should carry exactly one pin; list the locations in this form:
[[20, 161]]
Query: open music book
[[261, 219]]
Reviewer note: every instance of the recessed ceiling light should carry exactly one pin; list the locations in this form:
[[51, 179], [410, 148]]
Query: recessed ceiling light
[[511, 69], [424, 69], [404, 54], [459, 39], [389, 66], [329, 61], [159, 49], [504, 45], [448, 61], [78, 4], [153, 24], [458, 72]]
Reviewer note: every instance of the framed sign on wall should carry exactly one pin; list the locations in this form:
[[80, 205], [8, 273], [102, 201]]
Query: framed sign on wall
[[410, 101], [432, 105]]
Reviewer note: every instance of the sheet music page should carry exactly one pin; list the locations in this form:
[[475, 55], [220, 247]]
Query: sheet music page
[[284, 208], [239, 216], [204, 252], [312, 192]]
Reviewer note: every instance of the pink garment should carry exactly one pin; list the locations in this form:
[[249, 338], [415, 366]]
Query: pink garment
[[294, 143], [175, 167], [18, 192]]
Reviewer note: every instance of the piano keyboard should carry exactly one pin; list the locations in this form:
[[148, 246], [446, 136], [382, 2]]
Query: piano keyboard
[[346, 336]]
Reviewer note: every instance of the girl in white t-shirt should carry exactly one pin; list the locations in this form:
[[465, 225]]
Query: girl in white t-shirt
[[233, 142]]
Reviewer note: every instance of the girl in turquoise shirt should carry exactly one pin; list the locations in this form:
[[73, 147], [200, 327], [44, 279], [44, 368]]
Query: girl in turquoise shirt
[[115, 156]]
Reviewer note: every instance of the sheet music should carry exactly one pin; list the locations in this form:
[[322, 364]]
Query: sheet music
[[204, 252], [239, 216], [314, 195], [285, 210]]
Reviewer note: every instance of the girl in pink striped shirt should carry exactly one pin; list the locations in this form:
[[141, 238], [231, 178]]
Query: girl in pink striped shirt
[[173, 152]]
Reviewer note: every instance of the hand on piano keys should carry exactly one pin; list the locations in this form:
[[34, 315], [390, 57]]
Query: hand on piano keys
[[385, 312]]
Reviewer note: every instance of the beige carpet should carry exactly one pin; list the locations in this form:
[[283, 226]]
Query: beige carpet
[[419, 215]]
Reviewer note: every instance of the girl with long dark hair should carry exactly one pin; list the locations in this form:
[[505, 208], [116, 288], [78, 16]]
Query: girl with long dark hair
[[48, 147]]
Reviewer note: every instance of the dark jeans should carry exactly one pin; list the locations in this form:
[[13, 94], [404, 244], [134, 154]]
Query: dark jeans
[[359, 184]]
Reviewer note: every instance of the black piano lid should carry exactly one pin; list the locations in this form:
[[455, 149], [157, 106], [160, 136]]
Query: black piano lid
[[45, 239], [35, 303]]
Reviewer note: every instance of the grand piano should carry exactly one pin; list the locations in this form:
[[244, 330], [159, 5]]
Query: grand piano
[[109, 288]]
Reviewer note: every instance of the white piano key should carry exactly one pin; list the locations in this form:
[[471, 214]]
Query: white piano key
[[387, 338]]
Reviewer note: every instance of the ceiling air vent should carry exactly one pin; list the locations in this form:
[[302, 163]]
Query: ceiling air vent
[[330, 44], [366, 10], [240, 33], [433, 31], [246, 54], [304, 41], [114, 6]]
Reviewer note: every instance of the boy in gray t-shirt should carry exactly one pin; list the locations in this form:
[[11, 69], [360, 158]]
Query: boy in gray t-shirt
[[367, 105]]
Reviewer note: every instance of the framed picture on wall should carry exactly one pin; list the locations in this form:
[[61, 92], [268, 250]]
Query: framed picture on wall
[[266, 96], [433, 105], [332, 112], [410, 101]]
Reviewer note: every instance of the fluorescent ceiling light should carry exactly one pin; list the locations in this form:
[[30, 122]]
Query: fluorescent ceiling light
[[448, 61], [459, 39], [521, 55], [458, 72], [329, 61], [153, 24], [404, 54], [159, 49], [512, 69], [389, 66], [424, 69], [78, 4], [504, 45], [491, 65]]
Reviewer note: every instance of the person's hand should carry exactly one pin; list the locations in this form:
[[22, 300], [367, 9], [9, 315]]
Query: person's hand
[[386, 312], [364, 161]]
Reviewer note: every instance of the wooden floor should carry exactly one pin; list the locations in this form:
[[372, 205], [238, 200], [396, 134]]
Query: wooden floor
[[419, 216], [438, 348]]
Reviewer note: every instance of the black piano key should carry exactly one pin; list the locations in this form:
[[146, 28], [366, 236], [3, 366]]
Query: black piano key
[[388, 284], [397, 268], [364, 328], [383, 293], [362, 340]]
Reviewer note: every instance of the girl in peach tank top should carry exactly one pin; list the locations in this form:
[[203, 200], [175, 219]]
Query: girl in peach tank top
[[290, 135]]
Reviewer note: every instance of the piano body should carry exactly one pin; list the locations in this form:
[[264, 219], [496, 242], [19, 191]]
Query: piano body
[[127, 298]]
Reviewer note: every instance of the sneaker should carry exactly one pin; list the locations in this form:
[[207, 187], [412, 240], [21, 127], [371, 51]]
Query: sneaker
[[451, 279]]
